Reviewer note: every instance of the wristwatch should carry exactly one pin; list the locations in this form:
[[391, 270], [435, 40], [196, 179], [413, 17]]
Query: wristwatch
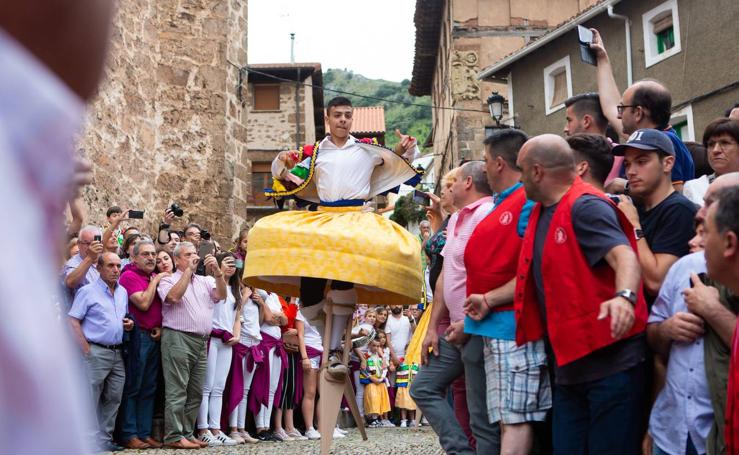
[[628, 294], [638, 233]]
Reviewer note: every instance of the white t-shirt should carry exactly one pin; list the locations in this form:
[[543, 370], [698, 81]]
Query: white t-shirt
[[344, 173], [311, 337], [250, 334], [695, 189], [273, 302], [355, 332], [399, 330], [224, 313]]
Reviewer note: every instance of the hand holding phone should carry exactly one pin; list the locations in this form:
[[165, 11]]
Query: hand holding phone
[[136, 214], [585, 37], [421, 198]]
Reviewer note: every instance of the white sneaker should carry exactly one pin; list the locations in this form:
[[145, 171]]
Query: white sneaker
[[341, 430], [236, 437], [312, 434], [412, 423], [387, 423], [211, 440], [425, 422], [225, 440], [295, 434], [281, 435], [403, 424], [338, 434], [248, 438]]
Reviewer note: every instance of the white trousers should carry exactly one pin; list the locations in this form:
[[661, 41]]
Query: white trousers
[[360, 393], [219, 362], [275, 365], [237, 419]]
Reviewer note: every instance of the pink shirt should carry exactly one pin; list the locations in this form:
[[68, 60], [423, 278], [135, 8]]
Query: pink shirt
[[136, 280], [194, 313], [460, 227]]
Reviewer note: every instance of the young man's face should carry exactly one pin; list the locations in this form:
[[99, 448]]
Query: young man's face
[[573, 123], [339, 121], [645, 171]]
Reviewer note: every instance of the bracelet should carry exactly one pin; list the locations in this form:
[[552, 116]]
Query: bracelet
[[485, 299]]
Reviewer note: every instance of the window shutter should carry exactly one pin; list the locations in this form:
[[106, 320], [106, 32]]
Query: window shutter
[[662, 24], [266, 97], [559, 91]]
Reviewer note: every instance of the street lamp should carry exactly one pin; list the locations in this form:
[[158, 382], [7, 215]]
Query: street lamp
[[495, 104]]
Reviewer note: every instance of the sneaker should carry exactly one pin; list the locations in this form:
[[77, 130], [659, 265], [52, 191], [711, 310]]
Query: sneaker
[[236, 436], [341, 430], [412, 424], [248, 438], [403, 424], [375, 423], [338, 434], [225, 440], [282, 435], [424, 421], [337, 371], [265, 436], [312, 434], [387, 423], [211, 440], [296, 436]]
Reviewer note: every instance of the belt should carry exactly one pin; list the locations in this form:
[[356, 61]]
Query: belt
[[107, 346]]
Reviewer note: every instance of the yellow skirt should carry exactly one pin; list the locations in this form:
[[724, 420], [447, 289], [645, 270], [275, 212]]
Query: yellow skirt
[[380, 257], [376, 399], [403, 399]]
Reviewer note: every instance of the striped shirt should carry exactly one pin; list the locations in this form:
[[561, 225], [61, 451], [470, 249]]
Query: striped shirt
[[460, 227], [194, 312]]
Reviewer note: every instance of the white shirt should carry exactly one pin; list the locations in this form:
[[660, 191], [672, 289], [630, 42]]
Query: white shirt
[[273, 302], [250, 333], [695, 189], [399, 330], [224, 314], [344, 173], [311, 337], [44, 405]]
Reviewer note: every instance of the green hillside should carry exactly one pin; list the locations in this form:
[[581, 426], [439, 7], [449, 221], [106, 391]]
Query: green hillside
[[413, 120]]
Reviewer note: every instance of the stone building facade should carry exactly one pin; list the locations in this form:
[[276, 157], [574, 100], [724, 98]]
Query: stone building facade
[[169, 123], [285, 112], [454, 41]]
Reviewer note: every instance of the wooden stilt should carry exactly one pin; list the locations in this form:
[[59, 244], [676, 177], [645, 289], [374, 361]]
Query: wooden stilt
[[351, 398], [331, 392]]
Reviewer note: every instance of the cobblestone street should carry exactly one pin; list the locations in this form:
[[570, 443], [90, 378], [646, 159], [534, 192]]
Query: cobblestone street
[[406, 441]]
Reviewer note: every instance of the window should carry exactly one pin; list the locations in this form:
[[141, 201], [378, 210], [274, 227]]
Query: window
[[261, 179], [661, 32], [682, 123], [557, 84], [266, 97]]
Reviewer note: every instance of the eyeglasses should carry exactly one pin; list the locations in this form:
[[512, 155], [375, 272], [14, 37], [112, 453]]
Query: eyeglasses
[[723, 144], [620, 108]]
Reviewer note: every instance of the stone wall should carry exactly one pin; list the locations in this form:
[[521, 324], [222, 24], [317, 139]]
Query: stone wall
[[169, 124]]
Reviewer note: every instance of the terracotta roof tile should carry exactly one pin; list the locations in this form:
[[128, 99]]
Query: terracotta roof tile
[[368, 120]]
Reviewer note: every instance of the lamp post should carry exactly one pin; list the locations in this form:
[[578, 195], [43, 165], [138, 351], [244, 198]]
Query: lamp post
[[495, 104]]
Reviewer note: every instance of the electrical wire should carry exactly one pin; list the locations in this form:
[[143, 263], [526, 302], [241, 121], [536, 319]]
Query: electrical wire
[[384, 100]]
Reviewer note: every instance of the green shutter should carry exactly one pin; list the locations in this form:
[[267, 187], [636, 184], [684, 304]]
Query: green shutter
[[665, 40]]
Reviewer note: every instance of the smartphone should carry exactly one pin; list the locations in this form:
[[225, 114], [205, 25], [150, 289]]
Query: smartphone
[[239, 263], [206, 248], [584, 38], [136, 214], [702, 276], [419, 197], [97, 238]]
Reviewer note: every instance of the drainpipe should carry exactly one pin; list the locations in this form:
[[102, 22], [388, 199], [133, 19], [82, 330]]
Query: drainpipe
[[297, 112], [627, 31]]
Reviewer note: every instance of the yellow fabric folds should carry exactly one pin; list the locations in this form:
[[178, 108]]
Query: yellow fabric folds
[[413, 352], [379, 256]]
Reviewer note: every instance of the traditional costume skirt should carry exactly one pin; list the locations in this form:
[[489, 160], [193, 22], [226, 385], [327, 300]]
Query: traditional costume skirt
[[376, 399], [379, 256]]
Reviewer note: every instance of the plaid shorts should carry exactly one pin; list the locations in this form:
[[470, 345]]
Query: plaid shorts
[[518, 387]]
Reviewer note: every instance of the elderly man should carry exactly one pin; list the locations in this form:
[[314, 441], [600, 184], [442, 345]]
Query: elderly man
[[457, 353], [187, 318], [80, 269], [143, 359], [578, 287], [98, 320]]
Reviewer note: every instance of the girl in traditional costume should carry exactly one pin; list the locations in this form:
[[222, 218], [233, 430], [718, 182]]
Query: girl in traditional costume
[[376, 398]]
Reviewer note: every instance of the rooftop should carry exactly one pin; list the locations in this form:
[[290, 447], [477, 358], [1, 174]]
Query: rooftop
[[427, 19], [367, 120]]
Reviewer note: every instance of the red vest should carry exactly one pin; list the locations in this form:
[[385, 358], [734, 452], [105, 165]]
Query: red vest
[[731, 431], [573, 291], [491, 254]]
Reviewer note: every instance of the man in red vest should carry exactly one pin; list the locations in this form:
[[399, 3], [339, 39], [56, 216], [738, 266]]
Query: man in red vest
[[518, 387], [578, 287], [722, 261]]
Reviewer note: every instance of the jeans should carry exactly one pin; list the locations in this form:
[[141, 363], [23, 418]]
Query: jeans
[[429, 389], [602, 416], [689, 449], [142, 357]]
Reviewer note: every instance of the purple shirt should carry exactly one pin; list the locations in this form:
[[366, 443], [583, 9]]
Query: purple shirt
[[194, 313], [683, 406], [134, 280], [460, 227], [90, 277], [101, 312]]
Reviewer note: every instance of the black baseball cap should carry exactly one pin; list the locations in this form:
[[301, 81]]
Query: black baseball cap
[[647, 139]]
